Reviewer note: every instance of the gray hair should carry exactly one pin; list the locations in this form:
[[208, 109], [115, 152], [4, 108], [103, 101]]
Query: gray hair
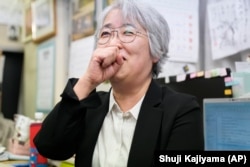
[[151, 20]]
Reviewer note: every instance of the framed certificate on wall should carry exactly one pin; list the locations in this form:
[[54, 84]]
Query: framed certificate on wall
[[43, 19], [83, 19]]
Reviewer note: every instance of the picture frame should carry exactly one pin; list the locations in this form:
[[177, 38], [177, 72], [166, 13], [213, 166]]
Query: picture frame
[[46, 53], [83, 21], [13, 32], [78, 5], [108, 2], [27, 23], [43, 19]]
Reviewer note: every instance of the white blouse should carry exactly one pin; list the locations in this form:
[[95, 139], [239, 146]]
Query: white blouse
[[115, 137]]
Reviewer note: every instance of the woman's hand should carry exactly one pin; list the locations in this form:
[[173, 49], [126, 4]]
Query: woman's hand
[[104, 63]]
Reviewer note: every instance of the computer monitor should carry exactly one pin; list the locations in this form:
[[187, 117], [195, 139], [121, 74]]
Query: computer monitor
[[227, 124]]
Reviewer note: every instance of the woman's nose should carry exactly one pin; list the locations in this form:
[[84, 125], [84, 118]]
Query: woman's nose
[[114, 39]]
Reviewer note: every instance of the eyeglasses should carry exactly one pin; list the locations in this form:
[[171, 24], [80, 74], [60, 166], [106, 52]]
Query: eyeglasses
[[125, 33]]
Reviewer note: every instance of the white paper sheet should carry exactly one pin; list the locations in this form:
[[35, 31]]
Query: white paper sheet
[[229, 25], [182, 17], [80, 54], [11, 12]]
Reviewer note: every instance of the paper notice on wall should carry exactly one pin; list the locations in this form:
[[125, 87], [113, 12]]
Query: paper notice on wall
[[80, 54], [11, 12], [183, 19], [229, 25]]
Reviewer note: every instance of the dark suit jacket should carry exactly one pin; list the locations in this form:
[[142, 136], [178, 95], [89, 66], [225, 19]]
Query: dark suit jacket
[[167, 121]]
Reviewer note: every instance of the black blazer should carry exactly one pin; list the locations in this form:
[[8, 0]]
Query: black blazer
[[167, 121]]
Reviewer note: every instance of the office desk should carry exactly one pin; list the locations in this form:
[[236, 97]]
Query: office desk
[[11, 163], [52, 163]]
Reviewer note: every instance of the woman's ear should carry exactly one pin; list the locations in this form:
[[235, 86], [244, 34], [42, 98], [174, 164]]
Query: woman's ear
[[155, 59]]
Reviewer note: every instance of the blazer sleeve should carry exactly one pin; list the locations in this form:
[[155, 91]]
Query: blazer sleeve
[[184, 122], [58, 136]]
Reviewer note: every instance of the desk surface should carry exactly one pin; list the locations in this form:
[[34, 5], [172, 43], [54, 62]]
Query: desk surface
[[53, 163], [10, 163]]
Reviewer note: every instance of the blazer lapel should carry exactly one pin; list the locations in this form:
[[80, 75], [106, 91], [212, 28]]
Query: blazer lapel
[[94, 119], [147, 129]]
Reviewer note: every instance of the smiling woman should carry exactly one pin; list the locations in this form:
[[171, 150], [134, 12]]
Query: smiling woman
[[126, 125]]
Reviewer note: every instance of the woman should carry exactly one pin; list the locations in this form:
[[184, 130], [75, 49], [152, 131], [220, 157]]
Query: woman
[[125, 126]]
